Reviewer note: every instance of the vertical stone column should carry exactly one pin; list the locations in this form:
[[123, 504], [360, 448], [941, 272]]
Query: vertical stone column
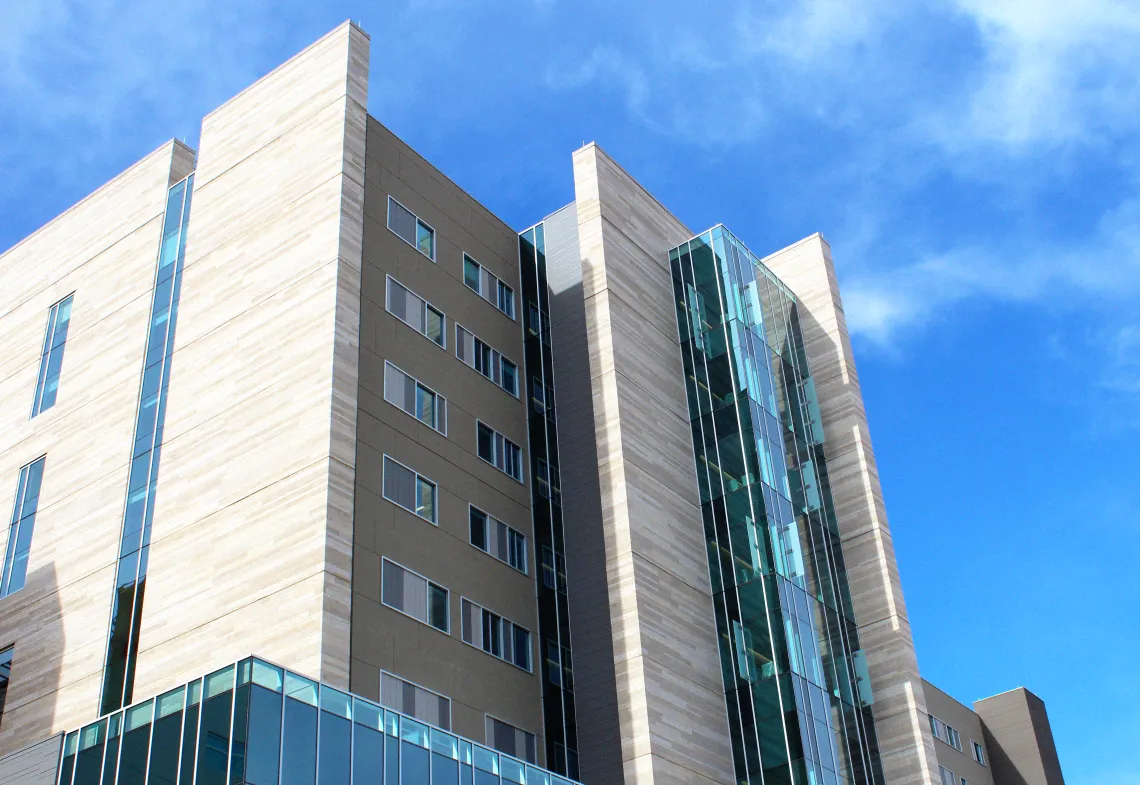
[[252, 537], [905, 743], [666, 669]]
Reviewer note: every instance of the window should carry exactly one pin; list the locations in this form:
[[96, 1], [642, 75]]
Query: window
[[979, 752], [5, 675], [541, 397], [496, 538], [945, 733], [953, 739], [538, 322], [495, 635], [406, 393], [51, 360], [412, 491], [547, 481], [20, 531], [486, 360], [415, 701], [947, 776], [414, 595], [405, 225], [416, 312], [506, 738], [499, 451], [488, 286], [553, 569]]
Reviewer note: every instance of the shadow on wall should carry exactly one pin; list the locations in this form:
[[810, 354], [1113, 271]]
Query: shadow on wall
[[31, 623], [595, 695]]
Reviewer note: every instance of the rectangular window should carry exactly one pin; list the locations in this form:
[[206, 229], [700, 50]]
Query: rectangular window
[[486, 360], [413, 397], [5, 676], [416, 312], [541, 397], [953, 739], [496, 538], [508, 739], [553, 569], [947, 776], [412, 491], [494, 634], [405, 225], [415, 701], [538, 322], [20, 530], [488, 286], [979, 752], [414, 595], [51, 360], [499, 451]]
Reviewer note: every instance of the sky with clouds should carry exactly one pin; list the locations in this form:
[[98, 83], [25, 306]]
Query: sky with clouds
[[974, 164]]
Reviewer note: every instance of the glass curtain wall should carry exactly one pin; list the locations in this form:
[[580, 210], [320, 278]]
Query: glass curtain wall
[[138, 513], [254, 723], [546, 505], [798, 699]]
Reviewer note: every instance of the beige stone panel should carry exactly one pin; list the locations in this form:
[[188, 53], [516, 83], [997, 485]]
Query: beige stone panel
[[669, 691], [876, 592], [283, 627], [307, 83], [93, 225], [262, 404]]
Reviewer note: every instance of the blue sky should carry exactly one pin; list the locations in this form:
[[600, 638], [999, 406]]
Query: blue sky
[[974, 164]]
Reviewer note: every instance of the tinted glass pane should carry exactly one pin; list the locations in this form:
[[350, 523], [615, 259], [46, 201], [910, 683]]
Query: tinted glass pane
[[425, 240], [264, 745], [391, 760], [89, 762], [132, 762], [433, 325], [470, 273], [367, 756], [437, 607], [485, 443], [336, 744], [189, 743], [414, 765], [299, 747], [478, 529], [444, 770], [214, 741], [165, 747]]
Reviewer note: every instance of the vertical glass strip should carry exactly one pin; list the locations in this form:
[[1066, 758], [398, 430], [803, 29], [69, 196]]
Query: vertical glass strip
[[130, 580], [546, 510], [788, 643], [22, 526], [51, 360]]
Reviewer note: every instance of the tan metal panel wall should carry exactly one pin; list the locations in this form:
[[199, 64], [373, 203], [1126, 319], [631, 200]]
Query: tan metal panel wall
[[103, 249], [1019, 739], [670, 694], [876, 592], [384, 639], [969, 726], [251, 547]]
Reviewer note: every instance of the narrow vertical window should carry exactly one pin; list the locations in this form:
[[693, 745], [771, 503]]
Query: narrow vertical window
[[506, 300], [5, 676], [51, 360], [21, 528], [471, 275]]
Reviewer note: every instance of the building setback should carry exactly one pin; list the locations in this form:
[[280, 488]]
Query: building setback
[[324, 474]]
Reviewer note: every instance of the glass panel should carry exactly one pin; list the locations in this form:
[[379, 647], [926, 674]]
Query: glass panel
[[425, 239], [299, 743], [470, 273], [268, 676], [67, 765], [367, 753], [166, 741], [214, 738], [335, 742], [414, 764], [189, 736], [513, 770], [264, 744], [135, 746], [89, 761]]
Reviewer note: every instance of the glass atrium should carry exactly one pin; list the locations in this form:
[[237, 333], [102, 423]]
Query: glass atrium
[[254, 723], [796, 686]]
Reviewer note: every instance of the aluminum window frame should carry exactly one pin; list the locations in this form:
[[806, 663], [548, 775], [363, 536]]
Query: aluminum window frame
[[438, 399], [426, 622], [388, 280], [521, 479], [384, 494], [419, 221], [483, 608], [486, 534], [497, 360]]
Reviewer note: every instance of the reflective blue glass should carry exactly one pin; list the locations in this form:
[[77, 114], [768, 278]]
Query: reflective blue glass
[[20, 530], [51, 360], [126, 612]]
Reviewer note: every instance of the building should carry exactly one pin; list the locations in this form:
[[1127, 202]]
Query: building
[[1004, 740], [329, 472]]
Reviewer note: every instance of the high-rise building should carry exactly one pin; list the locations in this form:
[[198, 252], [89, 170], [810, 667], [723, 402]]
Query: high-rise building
[[324, 474]]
